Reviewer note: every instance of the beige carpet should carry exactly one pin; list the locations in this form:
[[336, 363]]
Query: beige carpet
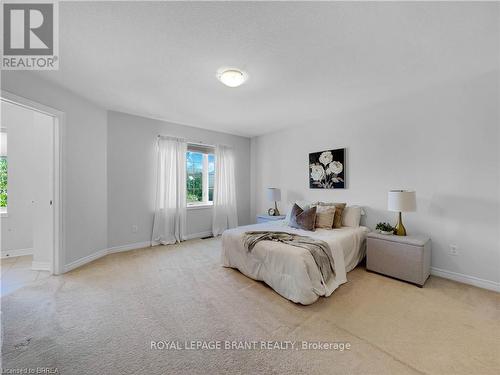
[[101, 319]]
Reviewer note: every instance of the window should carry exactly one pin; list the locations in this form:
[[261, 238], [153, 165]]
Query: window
[[200, 174], [3, 170]]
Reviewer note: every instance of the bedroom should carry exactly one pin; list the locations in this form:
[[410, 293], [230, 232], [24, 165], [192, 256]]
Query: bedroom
[[337, 102]]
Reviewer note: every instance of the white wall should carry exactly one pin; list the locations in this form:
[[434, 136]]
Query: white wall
[[443, 142], [17, 226], [131, 181], [84, 161]]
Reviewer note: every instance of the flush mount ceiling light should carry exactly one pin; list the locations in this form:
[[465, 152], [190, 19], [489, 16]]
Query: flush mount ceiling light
[[232, 77]]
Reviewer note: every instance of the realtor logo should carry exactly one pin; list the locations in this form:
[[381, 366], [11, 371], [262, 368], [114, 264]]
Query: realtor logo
[[30, 35]]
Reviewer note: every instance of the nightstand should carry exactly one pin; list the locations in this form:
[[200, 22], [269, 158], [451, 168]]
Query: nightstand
[[266, 218], [406, 258]]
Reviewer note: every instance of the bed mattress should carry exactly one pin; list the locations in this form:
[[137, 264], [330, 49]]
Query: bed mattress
[[289, 270]]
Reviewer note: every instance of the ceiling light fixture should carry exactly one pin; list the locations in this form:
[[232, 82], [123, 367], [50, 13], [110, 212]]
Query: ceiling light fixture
[[232, 77]]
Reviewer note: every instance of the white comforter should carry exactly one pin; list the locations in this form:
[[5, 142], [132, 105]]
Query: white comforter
[[289, 270]]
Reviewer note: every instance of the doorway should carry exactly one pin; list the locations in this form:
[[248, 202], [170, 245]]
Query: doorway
[[31, 204]]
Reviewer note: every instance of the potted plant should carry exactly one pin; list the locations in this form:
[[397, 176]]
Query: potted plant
[[385, 228]]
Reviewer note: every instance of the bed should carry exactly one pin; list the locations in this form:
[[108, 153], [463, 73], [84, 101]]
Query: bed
[[289, 270]]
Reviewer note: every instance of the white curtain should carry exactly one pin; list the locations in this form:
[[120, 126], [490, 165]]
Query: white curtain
[[224, 210], [170, 208]]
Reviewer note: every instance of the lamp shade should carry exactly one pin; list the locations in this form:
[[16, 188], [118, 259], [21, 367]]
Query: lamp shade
[[273, 194], [401, 201]]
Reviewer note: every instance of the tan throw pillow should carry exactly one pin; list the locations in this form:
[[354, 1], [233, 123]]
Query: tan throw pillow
[[325, 216], [339, 208], [303, 219]]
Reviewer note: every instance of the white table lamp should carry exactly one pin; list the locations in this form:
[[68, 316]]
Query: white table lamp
[[273, 194], [401, 201]]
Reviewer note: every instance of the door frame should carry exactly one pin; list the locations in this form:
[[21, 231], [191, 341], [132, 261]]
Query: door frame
[[57, 263]]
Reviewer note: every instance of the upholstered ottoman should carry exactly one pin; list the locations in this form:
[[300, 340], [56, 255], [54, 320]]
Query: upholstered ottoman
[[406, 258]]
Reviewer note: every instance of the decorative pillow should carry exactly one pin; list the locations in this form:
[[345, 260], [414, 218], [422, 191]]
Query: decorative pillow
[[339, 207], [303, 219], [302, 204], [351, 216], [325, 216]]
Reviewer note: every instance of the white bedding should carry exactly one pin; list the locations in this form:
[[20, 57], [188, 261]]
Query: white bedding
[[291, 271]]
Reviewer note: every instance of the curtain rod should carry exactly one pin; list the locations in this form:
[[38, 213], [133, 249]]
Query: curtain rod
[[197, 143]]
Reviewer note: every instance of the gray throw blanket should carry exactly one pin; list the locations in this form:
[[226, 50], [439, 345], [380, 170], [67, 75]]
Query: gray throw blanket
[[319, 250]]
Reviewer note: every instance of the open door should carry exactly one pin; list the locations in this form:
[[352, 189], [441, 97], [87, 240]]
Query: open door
[[34, 206], [43, 184]]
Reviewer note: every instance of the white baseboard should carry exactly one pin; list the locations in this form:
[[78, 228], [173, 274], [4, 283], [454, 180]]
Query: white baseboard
[[197, 235], [465, 279], [41, 266], [104, 252], [16, 253], [89, 258], [117, 249], [132, 246]]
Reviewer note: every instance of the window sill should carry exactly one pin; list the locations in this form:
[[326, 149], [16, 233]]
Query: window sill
[[202, 206], [4, 213]]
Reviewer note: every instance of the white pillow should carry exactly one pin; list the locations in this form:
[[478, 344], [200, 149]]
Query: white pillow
[[351, 216]]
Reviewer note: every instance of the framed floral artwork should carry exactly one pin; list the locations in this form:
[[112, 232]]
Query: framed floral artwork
[[327, 169]]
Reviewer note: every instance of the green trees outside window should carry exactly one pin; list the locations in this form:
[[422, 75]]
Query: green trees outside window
[[200, 173], [3, 181]]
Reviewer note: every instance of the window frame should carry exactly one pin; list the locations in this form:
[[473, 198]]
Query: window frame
[[205, 151]]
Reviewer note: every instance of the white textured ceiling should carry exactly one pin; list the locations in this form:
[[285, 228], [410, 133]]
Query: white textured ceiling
[[306, 61]]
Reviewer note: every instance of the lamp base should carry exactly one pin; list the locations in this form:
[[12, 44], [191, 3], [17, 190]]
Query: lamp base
[[400, 229], [276, 211]]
